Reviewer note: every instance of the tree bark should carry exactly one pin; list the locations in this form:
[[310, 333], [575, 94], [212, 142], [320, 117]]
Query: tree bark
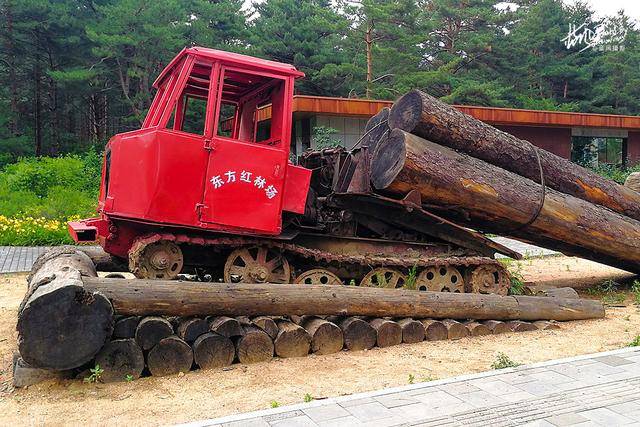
[[254, 345], [176, 298], [151, 330], [412, 331], [62, 325], [120, 358], [388, 332], [425, 116], [479, 195], [170, 356], [292, 340], [434, 330], [212, 350]]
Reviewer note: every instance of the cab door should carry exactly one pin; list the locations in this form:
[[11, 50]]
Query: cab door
[[248, 154]]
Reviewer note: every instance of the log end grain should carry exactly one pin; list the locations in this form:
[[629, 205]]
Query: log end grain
[[62, 326], [190, 329], [119, 359], [412, 331], [496, 326], [455, 330], [358, 334], [406, 111], [151, 330], [170, 356], [326, 337], [212, 350], [519, 326], [267, 324], [292, 340], [477, 329], [435, 330], [125, 327], [388, 332], [546, 325], [225, 326], [389, 160], [254, 346]]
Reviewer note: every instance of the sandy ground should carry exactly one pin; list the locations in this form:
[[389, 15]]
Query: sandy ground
[[212, 393]]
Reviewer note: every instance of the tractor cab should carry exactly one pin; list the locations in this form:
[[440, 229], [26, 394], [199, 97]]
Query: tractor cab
[[213, 150]]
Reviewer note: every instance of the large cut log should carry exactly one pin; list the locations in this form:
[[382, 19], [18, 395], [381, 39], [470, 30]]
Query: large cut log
[[213, 350], [497, 327], [120, 360], [358, 334], [477, 329], [225, 326], [292, 340], [412, 331], [125, 327], [482, 196], [62, 325], [151, 330], [326, 337], [455, 330], [170, 356], [189, 329], [425, 116], [254, 345], [375, 130], [388, 332], [434, 330], [267, 324], [176, 298]]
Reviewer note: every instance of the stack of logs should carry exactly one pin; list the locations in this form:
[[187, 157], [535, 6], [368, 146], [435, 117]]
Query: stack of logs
[[480, 177], [72, 320]]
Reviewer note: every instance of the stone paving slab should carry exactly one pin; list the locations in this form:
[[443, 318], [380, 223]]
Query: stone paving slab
[[592, 390], [16, 259]]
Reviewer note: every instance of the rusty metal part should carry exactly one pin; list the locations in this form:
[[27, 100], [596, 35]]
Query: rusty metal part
[[383, 277], [318, 276], [257, 264], [440, 279], [488, 279], [157, 259]]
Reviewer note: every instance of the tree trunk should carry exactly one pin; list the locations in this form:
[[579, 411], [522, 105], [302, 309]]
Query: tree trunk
[[434, 330], [120, 358], [125, 327], [151, 330], [455, 330], [176, 298], [225, 326], [292, 340], [479, 195], [189, 329], [496, 327], [254, 345], [412, 331], [357, 333], [62, 325], [388, 332], [425, 116], [326, 337], [518, 326], [170, 356], [212, 350]]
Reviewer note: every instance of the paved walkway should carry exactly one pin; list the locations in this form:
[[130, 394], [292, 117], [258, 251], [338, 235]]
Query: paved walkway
[[14, 259], [602, 389]]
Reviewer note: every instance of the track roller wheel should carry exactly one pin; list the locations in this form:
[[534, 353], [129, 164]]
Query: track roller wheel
[[257, 264], [383, 277], [488, 279], [318, 276], [158, 260], [440, 279]]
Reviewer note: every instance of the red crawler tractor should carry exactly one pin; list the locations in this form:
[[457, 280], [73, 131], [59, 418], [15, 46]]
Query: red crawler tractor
[[207, 187]]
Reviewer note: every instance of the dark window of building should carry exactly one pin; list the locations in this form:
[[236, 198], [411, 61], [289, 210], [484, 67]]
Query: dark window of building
[[596, 151]]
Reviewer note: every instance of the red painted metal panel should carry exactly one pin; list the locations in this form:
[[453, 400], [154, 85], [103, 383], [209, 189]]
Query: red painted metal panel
[[296, 187], [245, 184]]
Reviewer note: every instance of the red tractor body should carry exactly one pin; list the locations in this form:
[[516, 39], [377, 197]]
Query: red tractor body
[[207, 156]]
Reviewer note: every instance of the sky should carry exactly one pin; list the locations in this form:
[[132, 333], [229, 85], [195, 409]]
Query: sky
[[610, 7]]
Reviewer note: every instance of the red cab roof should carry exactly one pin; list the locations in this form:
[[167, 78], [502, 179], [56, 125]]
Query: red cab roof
[[234, 59]]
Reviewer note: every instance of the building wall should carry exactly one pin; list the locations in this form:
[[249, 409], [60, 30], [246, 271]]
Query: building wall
[[555, 140], [633, 148], [350, 129]]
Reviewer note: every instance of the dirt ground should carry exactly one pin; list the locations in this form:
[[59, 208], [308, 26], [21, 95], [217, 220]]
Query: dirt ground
[[206, 394]]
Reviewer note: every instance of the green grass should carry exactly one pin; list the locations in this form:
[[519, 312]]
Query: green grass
[[635, 342], [503, 361]]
